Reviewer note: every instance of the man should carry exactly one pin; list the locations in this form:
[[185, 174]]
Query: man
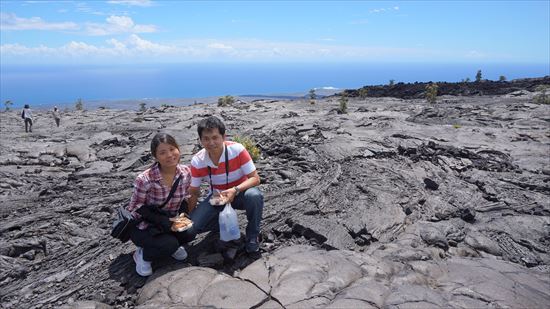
[[228, 168], [27, 116]]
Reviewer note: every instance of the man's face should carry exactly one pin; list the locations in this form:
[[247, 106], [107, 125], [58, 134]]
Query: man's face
[[212, 140]]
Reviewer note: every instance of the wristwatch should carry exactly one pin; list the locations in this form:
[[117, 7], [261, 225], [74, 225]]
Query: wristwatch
[[237, 190]]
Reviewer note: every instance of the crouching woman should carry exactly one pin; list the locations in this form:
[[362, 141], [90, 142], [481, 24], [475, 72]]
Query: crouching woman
[[155, 236]]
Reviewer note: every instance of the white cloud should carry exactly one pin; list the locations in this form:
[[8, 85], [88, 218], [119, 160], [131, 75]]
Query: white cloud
[[10, 21], [382, 10], [136, 49], [475, 54], [117, 25], [220, 46], [142, 3]]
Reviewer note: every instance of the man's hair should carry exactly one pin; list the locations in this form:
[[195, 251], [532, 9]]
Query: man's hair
[[211, 122], [26, 106], [162, 138]]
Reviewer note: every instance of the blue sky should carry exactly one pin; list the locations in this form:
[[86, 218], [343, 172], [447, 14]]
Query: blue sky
[[143, 31]]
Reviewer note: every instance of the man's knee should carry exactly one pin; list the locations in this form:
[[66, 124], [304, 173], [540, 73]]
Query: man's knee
[[253, 194]]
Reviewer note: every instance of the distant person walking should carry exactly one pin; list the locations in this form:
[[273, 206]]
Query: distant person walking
[[56, 116], [27, 116]]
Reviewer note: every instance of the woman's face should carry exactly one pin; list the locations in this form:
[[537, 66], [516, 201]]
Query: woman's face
[[167, 155]]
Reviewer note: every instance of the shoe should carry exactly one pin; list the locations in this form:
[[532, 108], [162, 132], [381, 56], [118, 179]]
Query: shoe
[[180, 254], [143, 268], [252, 245]]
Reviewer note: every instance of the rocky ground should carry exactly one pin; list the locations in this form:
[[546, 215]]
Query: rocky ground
[[397, 203]]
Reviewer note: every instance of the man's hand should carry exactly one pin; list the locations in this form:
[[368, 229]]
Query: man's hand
[[229, 195]]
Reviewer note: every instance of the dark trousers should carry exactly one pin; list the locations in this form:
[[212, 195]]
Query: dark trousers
[[57, 121], [28, 124], [156, 246]]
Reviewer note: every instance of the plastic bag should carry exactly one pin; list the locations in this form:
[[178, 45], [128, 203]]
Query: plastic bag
[[229, 224]]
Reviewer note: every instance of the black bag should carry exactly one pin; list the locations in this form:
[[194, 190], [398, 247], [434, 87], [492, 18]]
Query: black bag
[[124, 222]]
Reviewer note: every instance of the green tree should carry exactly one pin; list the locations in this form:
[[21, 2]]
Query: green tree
[[142, 107], [392, 82], [478, 76], [466, 80], [250, 146], [8, 104], [431, 93], [79, 105], [312, 96], [502, 78], [363, 93], [343, 108], [226, 100]]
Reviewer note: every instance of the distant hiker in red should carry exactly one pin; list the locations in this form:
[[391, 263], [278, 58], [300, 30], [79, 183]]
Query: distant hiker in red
[[26, 114]]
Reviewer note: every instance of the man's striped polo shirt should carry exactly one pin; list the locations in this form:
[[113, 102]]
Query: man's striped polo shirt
[[240, 165]]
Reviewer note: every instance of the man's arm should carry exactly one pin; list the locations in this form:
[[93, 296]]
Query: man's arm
[[252, 181], [193, 198]]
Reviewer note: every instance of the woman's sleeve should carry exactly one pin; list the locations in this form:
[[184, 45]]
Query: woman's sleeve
[[139, 195], [186, 181]]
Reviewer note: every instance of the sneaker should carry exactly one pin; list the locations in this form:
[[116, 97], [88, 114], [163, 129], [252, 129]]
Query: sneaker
[[143, 268], [253, 245], [180, 254]]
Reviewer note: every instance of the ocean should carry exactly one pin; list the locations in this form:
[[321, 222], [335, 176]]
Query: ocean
[[61, 85]]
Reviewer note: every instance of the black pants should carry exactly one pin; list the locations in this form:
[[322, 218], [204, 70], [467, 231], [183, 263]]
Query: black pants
[[57, 121], [156, 246], [28, 124]]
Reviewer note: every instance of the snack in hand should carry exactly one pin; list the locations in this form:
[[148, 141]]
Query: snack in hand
[[218, 200], [181, 223]]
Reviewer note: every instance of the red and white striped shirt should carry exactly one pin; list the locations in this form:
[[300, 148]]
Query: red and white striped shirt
[[239, 162]]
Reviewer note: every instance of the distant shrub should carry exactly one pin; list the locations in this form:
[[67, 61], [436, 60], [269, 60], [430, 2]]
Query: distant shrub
[[457, 126], [164, 105], [312, 96], [478, 76], [431, 93], [8, 105], [466, 80], [543, 97], [392, 82], [142, 107], [363, 93], [343, 108], [226, 100], [250, 146], [502, 78], [79, 105]]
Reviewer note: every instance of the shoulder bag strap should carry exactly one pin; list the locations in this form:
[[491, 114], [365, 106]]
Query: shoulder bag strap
[[174, 187]]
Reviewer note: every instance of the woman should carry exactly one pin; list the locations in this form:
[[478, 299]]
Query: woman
[[154, 236]]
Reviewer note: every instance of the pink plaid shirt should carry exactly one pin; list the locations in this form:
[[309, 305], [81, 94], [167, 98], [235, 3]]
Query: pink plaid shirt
[[149, 189]]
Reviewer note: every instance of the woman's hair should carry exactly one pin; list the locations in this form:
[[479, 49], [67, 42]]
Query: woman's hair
[[162, 138]]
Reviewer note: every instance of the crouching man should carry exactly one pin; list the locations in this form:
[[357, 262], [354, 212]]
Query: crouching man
[[229, 170]]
